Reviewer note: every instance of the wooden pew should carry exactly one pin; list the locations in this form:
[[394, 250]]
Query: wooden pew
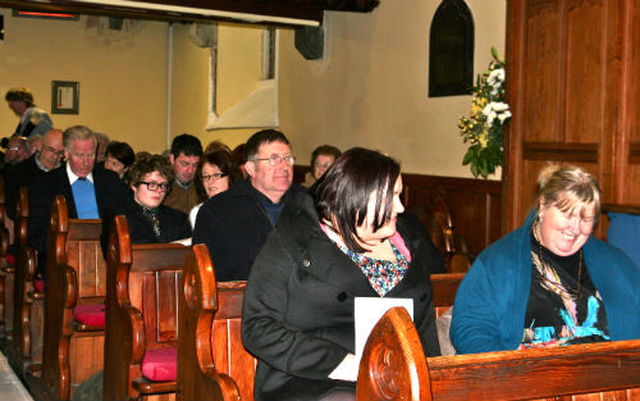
[[444, 290], [28, 302], [142, 309], [75, 276], [210, 350], [7, 277], [212, 362], [393, 367]]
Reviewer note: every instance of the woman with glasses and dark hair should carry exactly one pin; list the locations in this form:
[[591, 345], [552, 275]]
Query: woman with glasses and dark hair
[[347, 238], [216, 173], [149, 220]]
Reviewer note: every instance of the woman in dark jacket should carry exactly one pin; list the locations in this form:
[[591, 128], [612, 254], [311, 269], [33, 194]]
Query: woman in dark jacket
[[347, 240]]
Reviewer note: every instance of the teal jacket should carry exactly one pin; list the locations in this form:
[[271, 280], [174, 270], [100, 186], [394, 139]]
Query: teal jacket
[[490, 305]]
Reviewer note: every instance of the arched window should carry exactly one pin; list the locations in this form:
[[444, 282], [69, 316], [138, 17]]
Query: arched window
[[451, 50]]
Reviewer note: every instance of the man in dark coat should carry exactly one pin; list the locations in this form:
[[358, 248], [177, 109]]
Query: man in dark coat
[[89, 192], [21, 174], [235, 224]]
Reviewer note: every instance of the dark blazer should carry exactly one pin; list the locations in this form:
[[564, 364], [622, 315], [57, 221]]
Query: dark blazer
[[234, 225], [111, 195], [298, 307], [19, 175]]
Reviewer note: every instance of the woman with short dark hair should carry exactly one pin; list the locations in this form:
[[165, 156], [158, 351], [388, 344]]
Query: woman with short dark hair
[[120, 157], [348, 238], [216, 173]]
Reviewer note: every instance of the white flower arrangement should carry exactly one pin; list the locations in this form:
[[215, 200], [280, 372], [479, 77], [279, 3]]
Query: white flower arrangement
[[484, 127]]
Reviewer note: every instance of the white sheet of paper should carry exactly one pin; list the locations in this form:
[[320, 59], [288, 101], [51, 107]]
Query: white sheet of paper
[[367, 312]]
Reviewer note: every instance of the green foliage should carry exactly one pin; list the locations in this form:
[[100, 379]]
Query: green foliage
[[483, 129]]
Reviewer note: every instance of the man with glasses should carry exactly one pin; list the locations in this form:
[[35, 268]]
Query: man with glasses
[[21, 174], [89, 192], [235, 224]]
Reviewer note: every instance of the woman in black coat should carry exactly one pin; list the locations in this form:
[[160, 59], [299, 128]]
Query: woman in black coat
[[347, 239]]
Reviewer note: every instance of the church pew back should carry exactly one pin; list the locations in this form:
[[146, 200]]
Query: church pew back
[[142, 296], [393, 367], [27, 302], [210, 327], [75, 275]]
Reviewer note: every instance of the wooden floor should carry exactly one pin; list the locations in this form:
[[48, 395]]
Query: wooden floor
[[11, 389]]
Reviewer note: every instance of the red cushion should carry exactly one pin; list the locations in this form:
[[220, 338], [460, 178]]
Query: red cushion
[[91, 315], [160, 365], [11, 260], [38, 284]]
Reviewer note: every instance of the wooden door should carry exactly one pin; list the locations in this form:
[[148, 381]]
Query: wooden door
[[573, 71]]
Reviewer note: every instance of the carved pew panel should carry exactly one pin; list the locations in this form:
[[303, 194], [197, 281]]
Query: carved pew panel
[[142, 287], [28, 301], [393, 367], [74, 277], [210, 327]]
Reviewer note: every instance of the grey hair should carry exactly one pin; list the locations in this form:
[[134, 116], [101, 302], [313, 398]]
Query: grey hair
[[78, 133]]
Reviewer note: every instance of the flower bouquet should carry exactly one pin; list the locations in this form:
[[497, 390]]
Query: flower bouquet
[[483, 128]]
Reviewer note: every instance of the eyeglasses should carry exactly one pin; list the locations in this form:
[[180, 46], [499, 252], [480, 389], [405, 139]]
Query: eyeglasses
[[154, 186], [275, 160], [49, 149], [213, 177]]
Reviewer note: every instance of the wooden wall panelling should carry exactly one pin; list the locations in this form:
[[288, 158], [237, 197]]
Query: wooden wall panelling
[[475, 205], [572, 68]]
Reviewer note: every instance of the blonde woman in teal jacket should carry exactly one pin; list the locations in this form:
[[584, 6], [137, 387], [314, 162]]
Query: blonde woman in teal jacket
[[550, 282]]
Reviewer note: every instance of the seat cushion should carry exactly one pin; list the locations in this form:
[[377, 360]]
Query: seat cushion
[[91, 315], [11, 260], [38, 284], [160, 365]]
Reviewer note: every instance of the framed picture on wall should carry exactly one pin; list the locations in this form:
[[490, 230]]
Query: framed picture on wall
[[65, 97]]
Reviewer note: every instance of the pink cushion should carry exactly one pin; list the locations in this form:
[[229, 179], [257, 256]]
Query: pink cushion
[[38, 284], [11, 260], [160, 365], [91, 315]]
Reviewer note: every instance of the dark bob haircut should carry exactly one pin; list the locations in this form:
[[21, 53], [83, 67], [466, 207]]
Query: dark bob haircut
[[341, 195], [224, 161], [122, 152]]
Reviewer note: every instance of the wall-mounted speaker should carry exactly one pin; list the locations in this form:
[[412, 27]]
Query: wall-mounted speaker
[[309, 41]]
